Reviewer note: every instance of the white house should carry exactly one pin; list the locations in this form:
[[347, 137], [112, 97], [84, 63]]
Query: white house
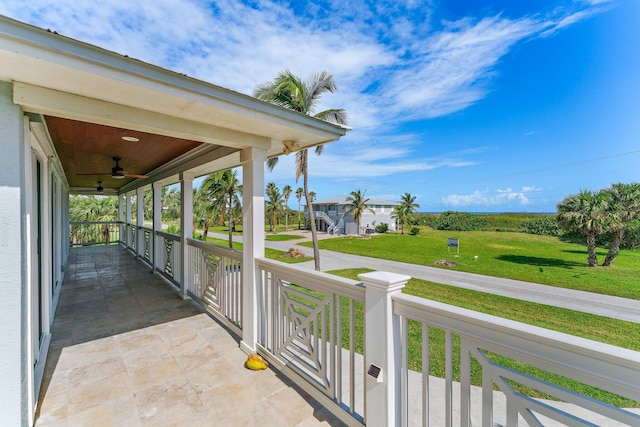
[[330, 215]]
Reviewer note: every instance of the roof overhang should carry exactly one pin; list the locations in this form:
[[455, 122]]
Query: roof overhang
[[56, 76]]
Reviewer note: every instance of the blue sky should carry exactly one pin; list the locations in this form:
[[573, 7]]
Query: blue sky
[[480, 106]]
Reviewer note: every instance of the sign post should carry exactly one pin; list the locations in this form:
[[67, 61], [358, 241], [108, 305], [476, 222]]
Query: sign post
[[453, 243]]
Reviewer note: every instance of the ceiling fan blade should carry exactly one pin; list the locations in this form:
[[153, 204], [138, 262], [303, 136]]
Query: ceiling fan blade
[[93, 174], [133, 175]]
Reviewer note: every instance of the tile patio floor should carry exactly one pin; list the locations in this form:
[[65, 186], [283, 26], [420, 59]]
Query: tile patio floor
[[126, 350]]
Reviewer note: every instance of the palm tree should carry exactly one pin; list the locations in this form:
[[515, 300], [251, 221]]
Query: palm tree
[[299, 194], [92, 209], [357, 206], [624, 207], [294, 93], [286, 193], [274, 203], [223, 189], [204, 209], [400, 215], [405, 210], [585, 212]]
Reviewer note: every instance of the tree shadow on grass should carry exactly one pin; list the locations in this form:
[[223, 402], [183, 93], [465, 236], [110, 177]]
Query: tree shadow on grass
[[540, 261]]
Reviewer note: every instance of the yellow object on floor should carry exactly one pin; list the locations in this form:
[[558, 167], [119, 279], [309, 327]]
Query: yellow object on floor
[[255, 362]]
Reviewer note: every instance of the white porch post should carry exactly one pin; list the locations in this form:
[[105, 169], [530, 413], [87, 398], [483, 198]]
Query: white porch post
[[382, 347], [186, 227], [252, 160], [157, 220], [14, 396], [128, 218], [139, 221], [122, 229]]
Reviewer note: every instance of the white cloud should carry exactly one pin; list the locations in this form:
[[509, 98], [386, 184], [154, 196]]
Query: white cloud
[[487, 198]]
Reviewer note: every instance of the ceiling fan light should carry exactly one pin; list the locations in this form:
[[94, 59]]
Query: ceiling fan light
[[116, 176]]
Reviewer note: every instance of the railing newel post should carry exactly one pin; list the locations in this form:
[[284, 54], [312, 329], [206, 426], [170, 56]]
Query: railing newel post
[[382, 348]]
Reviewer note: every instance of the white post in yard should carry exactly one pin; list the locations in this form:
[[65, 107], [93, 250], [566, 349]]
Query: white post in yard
[[140, 222], [382, 348], [157, 221], [186, 227], [252, 160]]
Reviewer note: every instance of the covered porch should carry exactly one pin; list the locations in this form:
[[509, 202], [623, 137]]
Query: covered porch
[[126, 349]]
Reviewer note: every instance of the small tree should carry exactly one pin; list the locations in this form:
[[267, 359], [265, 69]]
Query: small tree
[[286, 193], [585, 212], [624, 207], [357, 206]]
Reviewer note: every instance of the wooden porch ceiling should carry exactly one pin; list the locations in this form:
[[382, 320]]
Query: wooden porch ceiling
[[86, 151]]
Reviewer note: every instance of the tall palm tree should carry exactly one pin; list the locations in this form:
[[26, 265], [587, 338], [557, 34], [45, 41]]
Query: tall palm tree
[[406, 209], [357, 205], [223, 189], [274, 203], [286, 193], [299, 194], [624, 207], [585, 212], [294, 93]]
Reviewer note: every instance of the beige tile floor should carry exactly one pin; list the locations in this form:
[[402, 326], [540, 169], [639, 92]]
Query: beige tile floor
[[127, 351]]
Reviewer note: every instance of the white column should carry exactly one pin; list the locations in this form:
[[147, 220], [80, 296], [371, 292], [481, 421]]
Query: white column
[[14, 396], [127, 220], [121, 205], [252, 160], [157, 220], [382, 348], [139, 221], [186, 227]]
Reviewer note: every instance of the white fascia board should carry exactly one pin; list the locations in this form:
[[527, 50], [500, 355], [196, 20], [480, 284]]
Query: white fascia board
[[41, 58]]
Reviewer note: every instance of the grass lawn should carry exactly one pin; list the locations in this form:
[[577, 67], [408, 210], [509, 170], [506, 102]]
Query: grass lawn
[[598, 328], [532, 258], [282, 237], [269, 253]]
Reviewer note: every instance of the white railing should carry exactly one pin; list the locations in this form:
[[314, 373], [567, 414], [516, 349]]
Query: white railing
[[214, 279], [169, 253], [493, 344], [310, 327], [145, 244], [86, 233]]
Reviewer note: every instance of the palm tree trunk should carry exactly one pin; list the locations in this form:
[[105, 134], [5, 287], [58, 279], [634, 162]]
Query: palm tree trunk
[[614, 248], [286, 217], [231, 221], [312, 216], [592, 258], [298, 214]]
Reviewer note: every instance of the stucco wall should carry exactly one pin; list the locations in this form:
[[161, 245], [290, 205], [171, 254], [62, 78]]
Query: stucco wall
[[13, 364]]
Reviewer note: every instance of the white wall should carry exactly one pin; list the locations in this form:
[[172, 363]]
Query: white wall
[[13, 345]]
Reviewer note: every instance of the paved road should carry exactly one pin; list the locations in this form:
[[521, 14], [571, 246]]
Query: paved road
[[588, 302]]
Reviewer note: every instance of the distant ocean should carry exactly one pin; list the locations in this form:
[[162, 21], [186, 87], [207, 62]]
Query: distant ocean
[[495, 213]]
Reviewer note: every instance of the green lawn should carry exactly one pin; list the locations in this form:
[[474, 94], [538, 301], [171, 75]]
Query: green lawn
[[282, 237], [598, 328], [269, 253], [538, 259]]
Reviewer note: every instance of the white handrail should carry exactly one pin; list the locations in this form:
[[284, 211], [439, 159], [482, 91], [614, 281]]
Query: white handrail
[[600, 365]]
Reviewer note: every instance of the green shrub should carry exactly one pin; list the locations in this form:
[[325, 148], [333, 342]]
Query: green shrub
[[545, 226], [382, 228], [459, 221], [428, 220], [172, 229], [414, 231]]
